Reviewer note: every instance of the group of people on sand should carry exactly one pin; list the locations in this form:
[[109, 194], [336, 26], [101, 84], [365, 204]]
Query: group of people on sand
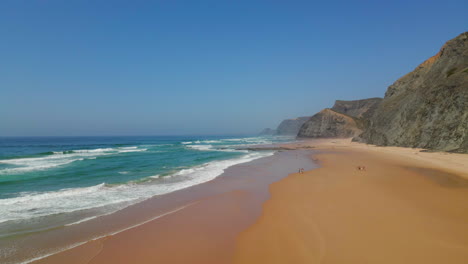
[[301, 170]]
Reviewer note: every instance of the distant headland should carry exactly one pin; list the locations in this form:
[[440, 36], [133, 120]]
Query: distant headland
[[427, 108]]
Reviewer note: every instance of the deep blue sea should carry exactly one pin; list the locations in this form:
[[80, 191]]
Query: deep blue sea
[[65, 180]]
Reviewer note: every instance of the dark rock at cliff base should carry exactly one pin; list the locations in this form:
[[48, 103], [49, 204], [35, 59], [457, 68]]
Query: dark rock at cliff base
[[428, 107], [330, 124], [291, 126], [267, 132]]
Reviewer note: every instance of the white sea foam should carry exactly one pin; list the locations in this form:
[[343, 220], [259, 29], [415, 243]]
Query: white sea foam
[[60, 158], [212, 141], [251, 140], [31, 164], [212, 148], [30, 205], [233, 141], [131, 150], [201, 147], [84, 220]]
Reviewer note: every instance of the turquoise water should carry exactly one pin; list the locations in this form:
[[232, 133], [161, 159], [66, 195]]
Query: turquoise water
[[51, 181]]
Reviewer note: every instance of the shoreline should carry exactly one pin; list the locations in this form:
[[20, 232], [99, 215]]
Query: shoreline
[[40, 237], [249, 176], [293, 214]]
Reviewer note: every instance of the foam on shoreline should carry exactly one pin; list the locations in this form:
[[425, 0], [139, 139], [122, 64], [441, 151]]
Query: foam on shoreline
[[241, 187], [31, 205]]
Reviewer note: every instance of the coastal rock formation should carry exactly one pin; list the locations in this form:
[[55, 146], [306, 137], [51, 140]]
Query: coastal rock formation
[[344, 119], [267, 132], [330, 124], [291, 126], [286, 127], [428, 107], [364, 108]]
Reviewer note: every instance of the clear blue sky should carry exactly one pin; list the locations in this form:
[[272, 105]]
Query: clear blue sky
[[203, 67]]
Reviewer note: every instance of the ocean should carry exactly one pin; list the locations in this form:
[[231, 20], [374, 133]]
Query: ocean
[[48, 182]]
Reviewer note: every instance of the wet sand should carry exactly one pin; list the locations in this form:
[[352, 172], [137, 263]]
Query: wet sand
[[405, 207]]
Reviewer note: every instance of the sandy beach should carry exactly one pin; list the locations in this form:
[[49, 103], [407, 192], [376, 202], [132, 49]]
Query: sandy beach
[[199, 224], [234, 132], [407, 206], [399, 210]]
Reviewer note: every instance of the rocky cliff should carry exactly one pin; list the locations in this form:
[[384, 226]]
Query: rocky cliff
[[364, 108], [291, 126], [330, 124], [344, 119], [428, 107], [286, 127]]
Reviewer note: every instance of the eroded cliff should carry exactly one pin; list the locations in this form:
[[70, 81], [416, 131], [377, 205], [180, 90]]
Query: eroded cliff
[[330, 124], [344, 119], [291, 126], [428, 107]]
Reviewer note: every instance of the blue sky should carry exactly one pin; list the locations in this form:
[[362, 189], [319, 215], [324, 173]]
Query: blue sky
[[203, 67]]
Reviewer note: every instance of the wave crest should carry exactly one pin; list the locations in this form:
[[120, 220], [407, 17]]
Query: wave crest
[[30, 205], [59, 158]]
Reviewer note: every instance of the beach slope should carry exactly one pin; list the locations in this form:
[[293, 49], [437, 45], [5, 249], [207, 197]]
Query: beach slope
[[400, 209], [405, 206]]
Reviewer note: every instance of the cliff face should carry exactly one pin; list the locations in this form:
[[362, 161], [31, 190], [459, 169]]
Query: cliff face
[[428, 107], [291, 126], [344, 119], [330, 124], [364, 108]]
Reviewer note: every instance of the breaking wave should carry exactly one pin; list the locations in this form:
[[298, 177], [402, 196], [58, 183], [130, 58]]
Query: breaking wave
[[59, 158], [30, 205]]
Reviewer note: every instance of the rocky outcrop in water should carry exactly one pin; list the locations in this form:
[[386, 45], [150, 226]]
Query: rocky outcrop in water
[[428, 107]]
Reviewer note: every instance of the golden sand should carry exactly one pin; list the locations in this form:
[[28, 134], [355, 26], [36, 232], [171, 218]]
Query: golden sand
[[393, 212], [407, 206]]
